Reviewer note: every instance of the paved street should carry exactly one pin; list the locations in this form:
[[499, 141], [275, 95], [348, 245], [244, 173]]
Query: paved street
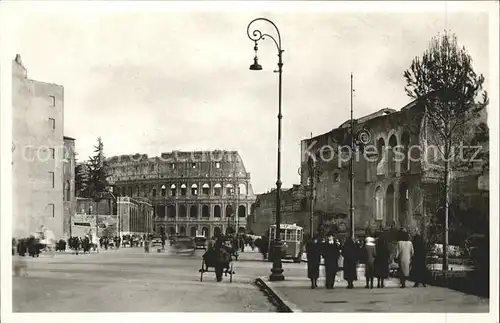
[[128, 280], [389, 299]]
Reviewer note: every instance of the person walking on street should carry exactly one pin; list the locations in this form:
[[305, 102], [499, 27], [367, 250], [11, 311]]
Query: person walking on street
[[350, 253], [381, 263], [404, 253], [146, 245], [418, 263], [313, 253], [369, 254], [331, 255]]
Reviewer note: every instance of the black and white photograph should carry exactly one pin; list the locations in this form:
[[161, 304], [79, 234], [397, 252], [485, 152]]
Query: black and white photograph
[[249, 157]]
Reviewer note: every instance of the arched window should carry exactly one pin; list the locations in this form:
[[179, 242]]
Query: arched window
[[194, 189], [205, 189], [242, 189], [163, 190], [392, 159], [205, 232], [217, 211], [183, 190], [381, 151], [217, 190], [229, 189], [405, 163], [173, 190], [379, 204], [154, 191]]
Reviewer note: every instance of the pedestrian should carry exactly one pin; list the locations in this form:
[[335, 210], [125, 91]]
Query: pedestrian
[[313, 253], [350, 252], [146, 246], [381, 263], [340, 263], [369, 255], [222, 258], [404, 253], [418, 262], [331, 255]]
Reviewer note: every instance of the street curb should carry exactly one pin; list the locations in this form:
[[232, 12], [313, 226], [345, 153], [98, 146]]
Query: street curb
[[276, 298]]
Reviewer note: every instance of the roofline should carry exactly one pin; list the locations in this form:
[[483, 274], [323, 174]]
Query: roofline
[[69, 138]]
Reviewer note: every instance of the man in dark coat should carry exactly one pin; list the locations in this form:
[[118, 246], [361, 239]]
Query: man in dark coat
[[331, 254], [222, 258], [369, 254], [350, 252], [313, 261], [381, 263], [418, 262]]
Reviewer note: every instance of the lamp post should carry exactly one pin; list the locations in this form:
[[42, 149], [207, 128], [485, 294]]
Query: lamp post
[[277, 270]]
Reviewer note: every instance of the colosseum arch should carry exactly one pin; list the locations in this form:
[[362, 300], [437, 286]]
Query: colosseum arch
[[229, 210], [205, 232], [242, 211], [217, 231], [193, 231], [242, 189], [193, 211], [182, 211], [194, 189], [183, 189], [205, 211], [217, 211], [182, 230], [173, 190], [229, 189], [171, 230], [171, 211]]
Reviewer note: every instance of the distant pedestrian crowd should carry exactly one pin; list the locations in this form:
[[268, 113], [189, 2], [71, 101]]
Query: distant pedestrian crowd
[[342, 259]]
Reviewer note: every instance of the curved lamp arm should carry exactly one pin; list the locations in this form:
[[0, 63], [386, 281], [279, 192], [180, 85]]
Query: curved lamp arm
[[257, 35]]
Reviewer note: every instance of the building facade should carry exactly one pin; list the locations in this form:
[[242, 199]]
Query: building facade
[[37, 154], [294, 210], [390, 190], [193, 193], [135, 216]]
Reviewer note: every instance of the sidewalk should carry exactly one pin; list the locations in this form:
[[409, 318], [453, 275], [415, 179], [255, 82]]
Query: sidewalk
[[296, 293]]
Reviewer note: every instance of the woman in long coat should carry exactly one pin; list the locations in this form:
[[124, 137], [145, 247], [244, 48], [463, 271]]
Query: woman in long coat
[[369, 254], [381, 263], [313, 261], [404, 253], [350, 253], [418, 262], [331, 255]]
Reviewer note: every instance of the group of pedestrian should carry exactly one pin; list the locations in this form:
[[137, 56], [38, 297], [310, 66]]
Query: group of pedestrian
[[374, 253]]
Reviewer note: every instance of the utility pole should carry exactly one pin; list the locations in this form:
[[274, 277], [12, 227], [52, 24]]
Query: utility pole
[[351, 168]]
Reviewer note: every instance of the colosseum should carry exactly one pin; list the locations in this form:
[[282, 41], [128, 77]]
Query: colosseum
[[193, 193]]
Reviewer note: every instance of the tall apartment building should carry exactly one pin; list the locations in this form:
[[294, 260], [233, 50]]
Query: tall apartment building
[[38, 153]]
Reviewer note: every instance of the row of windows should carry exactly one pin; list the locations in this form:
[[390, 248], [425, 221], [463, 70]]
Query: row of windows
[[171, 211], [205, 190]]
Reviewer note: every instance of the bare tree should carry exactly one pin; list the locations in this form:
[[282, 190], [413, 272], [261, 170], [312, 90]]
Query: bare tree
[[444, 82]]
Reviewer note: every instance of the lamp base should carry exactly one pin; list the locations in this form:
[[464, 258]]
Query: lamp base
[[276, 275], [277, 270]]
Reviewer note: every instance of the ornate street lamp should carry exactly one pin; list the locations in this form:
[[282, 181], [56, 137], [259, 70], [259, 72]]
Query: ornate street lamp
[[277, 270]]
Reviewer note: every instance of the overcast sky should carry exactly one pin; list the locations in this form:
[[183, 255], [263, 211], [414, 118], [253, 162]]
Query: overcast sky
[[157, 82]]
